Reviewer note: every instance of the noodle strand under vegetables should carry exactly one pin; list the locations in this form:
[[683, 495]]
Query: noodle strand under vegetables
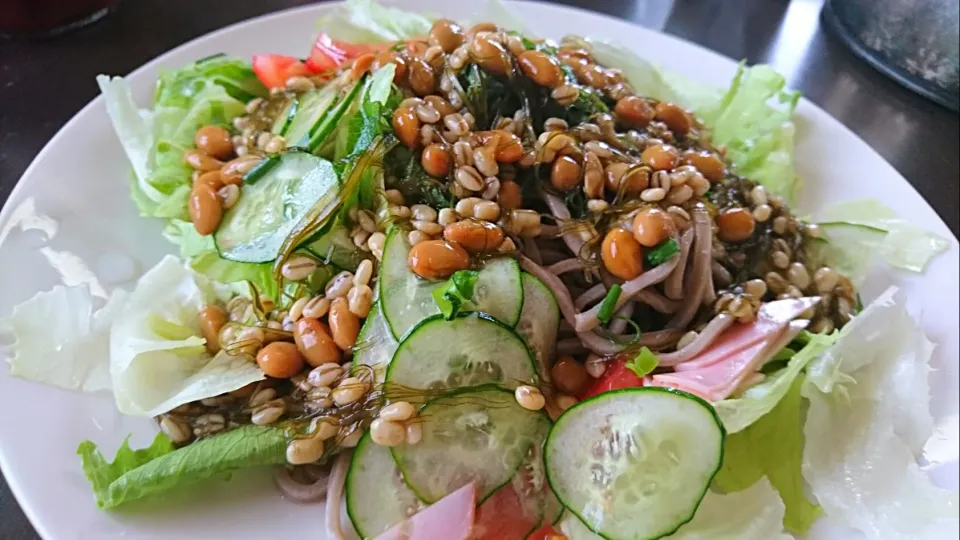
[[717, 326], [673, 287], [696, 278]]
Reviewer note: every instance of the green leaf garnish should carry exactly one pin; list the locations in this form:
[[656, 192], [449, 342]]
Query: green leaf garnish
[[457, 291], [643, 363], [135, 474], [663, 252]]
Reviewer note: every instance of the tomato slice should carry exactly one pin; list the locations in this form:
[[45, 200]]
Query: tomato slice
[[450, 518], [502, 517], [546, 533], [329, 54], [273, 70], [617, 377]]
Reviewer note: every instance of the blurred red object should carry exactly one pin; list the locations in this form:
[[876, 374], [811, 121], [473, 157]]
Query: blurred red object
[[46, 18]]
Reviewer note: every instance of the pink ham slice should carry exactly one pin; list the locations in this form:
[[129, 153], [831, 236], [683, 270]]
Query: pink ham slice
[[771, 320], [450, 518], [722, 378]]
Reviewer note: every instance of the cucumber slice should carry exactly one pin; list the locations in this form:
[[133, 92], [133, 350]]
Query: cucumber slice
[[407, 298], [312, 104], [535, 493], [375, 344], [254, 229], [574, 529], [846, 247], [335, 246], [539, 322], [471, 349], [281, 125], [377, 498], [635, 463], [478, 434]]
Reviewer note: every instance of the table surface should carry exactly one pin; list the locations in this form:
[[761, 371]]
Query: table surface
[[917, 137]]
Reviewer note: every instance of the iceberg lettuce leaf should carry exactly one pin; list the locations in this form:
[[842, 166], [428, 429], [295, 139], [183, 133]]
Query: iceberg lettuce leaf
[[71, 349], [857, 231], [135, 474], [157, 358], [867, 422], [756, 513], [365, 21], [210, 92], [145, 346], [203, 257], [754, 121], [772, 447]]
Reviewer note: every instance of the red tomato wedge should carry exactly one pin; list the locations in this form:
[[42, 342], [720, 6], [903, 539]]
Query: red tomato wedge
[[450, 518], [502, 517], [273, 70], [329, 54], [617, 377], [546, 533]]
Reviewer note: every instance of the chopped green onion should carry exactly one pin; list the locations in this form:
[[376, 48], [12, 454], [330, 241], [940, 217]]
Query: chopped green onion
[[609, 304], [457, 292], [643, 363], [617, 339], [663, 252]]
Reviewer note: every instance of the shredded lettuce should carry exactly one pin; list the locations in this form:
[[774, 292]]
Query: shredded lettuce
[[365, 21], [867, 422], [772, 447], [135, 474], [858, 231]]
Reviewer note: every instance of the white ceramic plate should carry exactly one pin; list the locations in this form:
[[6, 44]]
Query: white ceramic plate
[[70, 220]]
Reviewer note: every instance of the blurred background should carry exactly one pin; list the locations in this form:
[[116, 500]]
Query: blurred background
[[887, 69]]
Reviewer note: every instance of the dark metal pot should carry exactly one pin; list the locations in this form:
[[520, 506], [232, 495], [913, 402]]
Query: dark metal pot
[[916, 42]]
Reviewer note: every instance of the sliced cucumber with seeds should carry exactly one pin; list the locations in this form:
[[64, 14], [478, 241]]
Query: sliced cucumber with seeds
[[377, 498], [479, 434], [407, 298], [375, 344], [635, 463], [255, 228], [539, 322], [310, 108], [469, 350]]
